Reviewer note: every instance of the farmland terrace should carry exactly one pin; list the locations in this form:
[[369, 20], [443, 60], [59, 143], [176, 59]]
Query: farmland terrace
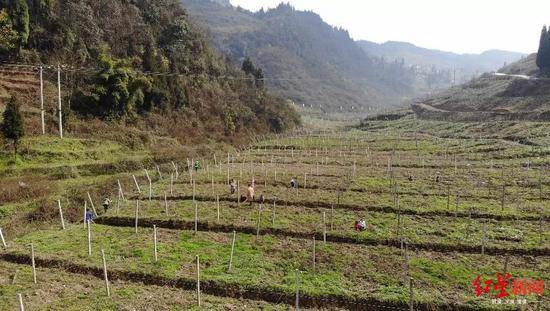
[[444, 203]]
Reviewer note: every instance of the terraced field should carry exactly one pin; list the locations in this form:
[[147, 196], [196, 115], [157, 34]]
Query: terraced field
[[444, 203]]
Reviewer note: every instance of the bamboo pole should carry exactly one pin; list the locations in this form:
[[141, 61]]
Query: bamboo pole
[[232, 250], [61, 214], [120, 189], [105, 273], [3, 240], [21, 305], [155, 241], [165, 204], [314, 260], [218, 206], [196, 217], [198, 282], [137, 215], [324, 227], [92, 204], [297, 302], [136, 183], [33, 263], [89, 238], [411, 295]]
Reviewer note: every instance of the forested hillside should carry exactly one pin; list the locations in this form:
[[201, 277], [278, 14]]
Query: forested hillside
[[304, 58], [137, 63]]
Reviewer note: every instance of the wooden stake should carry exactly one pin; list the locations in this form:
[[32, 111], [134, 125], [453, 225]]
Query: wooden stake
[[324, 227], [411, 295], [175, 170], [3, 240], [196, 217], [165, 204], [89, 238], [232, 249], [137, 215], [158, 172], [61, 214], [120, 189], [155, 241], [60, 111], [259, 221], [218, 206], [33, 264], [105, 273], [42, 111], [84, 219], [238, 192], [21, 306], [150, 185], [194, 190], [172, 184], [198, 282], [331, 216], [297, 303], [137, 185], [314, 261], [483, 236], [92, 204]]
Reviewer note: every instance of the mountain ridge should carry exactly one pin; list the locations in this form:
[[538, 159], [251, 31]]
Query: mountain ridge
[[324, 67], [466, 64]]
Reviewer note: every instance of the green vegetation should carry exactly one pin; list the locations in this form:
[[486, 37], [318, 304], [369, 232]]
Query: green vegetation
[[12, 124], [543, 55], [305, 59], [138, 64], [451, 209]]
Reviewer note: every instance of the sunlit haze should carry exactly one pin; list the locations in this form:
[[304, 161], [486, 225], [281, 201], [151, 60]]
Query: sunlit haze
[[467, 26]]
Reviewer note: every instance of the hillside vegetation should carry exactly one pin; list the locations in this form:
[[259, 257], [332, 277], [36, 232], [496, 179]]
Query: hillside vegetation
[[304, 58], [515, 93], [141, 64]]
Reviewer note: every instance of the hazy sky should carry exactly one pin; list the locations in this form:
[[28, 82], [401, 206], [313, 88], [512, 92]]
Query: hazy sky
[[463, 26]]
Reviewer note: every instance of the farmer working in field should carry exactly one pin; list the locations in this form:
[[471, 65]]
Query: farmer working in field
[[106, 204], [293, 183], [250, 194], [89, 216], [360, 225], [197, 166], [232, 186]]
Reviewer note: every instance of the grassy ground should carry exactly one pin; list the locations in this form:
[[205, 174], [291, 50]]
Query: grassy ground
[[60, 290], [446, 181]]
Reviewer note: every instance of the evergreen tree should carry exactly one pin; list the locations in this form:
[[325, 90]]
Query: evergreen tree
[[543, 55], [248, 66], [259, 78], [12, 124]]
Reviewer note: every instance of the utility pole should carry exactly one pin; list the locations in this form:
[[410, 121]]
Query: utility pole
[[59, 101], [42, 101]]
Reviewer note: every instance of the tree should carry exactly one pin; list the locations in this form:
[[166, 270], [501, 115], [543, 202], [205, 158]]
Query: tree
[[248, 66], [12, 124], [259, 76], [19, 12], [8, 36], [116, 92], [543, 55]]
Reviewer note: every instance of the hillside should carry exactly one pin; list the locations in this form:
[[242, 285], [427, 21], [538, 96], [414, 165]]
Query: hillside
[[465, 65], [515, 93], [321, 65], [140, 64]]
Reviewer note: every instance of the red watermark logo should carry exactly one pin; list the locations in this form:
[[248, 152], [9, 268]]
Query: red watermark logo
[[506, 285]]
